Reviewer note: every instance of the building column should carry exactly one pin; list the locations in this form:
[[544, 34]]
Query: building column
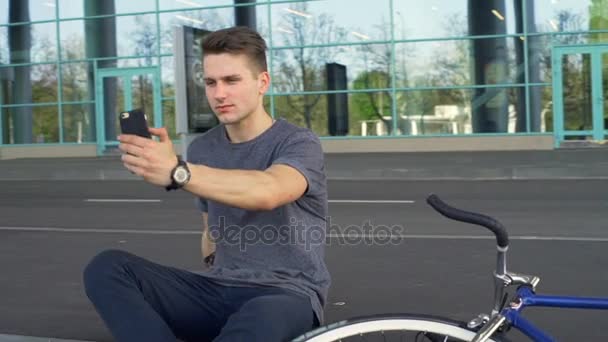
[[100, 41], [20, 43], [245, 15]]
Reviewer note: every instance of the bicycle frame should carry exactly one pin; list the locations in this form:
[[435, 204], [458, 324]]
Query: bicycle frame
[[526, 297]]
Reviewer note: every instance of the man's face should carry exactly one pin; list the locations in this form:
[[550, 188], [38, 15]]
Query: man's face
[[233, 90]]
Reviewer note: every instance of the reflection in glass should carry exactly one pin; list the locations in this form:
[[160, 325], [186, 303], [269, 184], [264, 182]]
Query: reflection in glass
[[605, 95], [168, 76], [566, 16], [137, 36], [209, 19], [370, 113], [44, 82], [43, 40], [78, 122], [46, 124], [303, 69], [308, 111], [454, 18], [576, 86], [74, 82], [169, 117], [70, 9], [545, 110], [452, 111], [325, 22], [143, 95], [72, 39]]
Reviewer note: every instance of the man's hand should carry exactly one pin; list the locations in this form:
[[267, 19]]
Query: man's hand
[[150, 159]]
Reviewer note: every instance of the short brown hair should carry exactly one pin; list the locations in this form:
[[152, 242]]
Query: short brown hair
[[238, 40]]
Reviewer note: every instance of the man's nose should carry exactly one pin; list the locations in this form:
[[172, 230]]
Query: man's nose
[[220, 91]]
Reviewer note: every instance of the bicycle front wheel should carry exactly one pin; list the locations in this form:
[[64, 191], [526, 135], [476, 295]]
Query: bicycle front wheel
[[392, 327]]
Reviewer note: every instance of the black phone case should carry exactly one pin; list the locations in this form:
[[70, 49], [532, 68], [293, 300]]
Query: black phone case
[[134, 122]]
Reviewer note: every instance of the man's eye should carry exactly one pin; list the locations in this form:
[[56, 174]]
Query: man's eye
[[209, 83]]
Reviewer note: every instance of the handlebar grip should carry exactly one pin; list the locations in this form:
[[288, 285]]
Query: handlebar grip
[[502, 237]]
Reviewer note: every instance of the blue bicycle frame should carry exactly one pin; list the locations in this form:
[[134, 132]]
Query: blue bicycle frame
[[526, 297]]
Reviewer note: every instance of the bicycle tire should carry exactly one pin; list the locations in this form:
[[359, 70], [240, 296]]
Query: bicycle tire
[[380, 323]]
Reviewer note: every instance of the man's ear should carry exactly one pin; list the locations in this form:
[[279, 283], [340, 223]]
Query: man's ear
[[263, 82]]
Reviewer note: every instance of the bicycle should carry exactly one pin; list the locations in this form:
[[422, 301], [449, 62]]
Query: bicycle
[[494, 327]]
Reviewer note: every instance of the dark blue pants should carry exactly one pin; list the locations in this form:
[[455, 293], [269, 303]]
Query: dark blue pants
[[143, 301]]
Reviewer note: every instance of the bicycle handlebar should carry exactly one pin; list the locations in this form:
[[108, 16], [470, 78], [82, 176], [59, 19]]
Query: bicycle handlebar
[[502, 238]]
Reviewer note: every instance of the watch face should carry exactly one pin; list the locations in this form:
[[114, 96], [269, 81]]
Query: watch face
[[181, 175]]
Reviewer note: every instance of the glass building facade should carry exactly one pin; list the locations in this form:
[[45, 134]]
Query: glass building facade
[[348, 69]]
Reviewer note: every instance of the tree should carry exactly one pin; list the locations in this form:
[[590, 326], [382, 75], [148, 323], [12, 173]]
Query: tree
[[302, 69]]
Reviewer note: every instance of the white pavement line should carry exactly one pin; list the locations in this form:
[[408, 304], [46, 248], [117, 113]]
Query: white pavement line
[[101, 231], [382, 235], [117, 200], [373, 201]]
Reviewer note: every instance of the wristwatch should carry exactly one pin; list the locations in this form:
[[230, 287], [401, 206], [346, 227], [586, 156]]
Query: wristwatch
[[180, 175]]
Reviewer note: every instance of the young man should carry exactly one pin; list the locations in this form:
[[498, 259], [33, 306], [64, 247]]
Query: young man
[[261, 187]]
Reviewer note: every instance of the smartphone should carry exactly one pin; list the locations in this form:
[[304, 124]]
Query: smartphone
[[134, 122]]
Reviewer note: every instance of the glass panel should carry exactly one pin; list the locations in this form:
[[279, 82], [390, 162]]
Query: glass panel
[[70, 9], [72, 39], [261, 13], [577, 98], [129, 6], [44, 43], [168, 76], [114, 103], [494, 110], [75, 81], [541, 109], [563, 16], [4, 51], [304, 69], [4, 11], [308, 111], [31, 125], [44, 83], [143, 95], [38, 10], [450, 62], [452, 18], [605, 95], [210, 19], [539, 63], [169, 118], [186, 4], [370, 113], [46, 124], [322, 22], [78, 123], [138, 35]]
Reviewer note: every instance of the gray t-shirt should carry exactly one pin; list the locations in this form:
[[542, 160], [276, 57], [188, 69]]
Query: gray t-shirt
[[283, 247]]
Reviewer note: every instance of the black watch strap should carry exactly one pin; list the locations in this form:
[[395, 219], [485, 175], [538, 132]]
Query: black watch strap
[[174, 185]]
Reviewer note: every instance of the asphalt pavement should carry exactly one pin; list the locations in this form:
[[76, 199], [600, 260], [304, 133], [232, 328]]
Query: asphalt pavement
[[55, 214]]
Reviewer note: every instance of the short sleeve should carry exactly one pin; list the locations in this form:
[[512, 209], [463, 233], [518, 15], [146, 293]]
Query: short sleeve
[[303, 152], [193, 158]]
